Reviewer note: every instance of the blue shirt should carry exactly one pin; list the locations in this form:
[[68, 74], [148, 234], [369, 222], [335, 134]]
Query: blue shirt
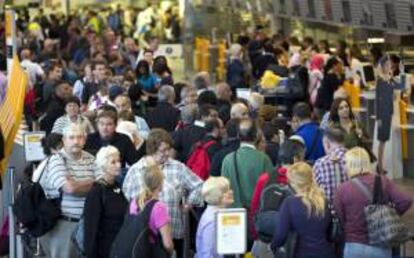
[[308, 132], [311, 231], [206, 234], [148, 82]]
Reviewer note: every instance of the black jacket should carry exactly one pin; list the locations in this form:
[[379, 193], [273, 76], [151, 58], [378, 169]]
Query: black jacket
[[224, 109], [185, 139], [217, 161], [329, 85], [54, 110], [164, 116], [120, 141], [272, 150], [104, 213]]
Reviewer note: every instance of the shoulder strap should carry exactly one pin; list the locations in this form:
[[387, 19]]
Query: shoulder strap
[[146, 212], [379, 197], [43, 170], [236, 170], [208, 144], [337, 174], [357, 182]]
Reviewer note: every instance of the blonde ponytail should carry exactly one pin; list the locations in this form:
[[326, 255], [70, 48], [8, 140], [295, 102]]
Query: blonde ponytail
[[152, 180], [300, 176]]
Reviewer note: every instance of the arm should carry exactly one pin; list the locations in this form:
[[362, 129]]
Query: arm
[[92, 214], [192, 184], [166, 236], [377, 100], [401, 200], [283, 226], [77, 187], [132, 185]]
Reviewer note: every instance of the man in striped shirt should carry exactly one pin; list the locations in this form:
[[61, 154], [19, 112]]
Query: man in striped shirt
[[69, 175]]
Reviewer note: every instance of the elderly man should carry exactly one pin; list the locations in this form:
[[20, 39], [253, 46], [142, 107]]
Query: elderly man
[[180, 182], [68, 175], [164, 115], [244, 166]]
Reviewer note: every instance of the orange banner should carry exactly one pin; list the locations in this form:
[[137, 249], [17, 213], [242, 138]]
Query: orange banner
[[11, 111]]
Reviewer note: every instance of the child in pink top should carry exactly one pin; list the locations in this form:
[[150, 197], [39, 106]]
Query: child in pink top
[[159, 215], [159, 221]]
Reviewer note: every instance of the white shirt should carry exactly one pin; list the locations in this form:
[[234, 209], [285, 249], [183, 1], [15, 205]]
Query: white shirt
[[33, 69]]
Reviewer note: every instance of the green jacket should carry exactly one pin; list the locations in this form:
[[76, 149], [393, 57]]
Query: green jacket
[[251, 163]]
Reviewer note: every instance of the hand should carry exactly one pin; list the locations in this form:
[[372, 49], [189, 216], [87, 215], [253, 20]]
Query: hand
[[379, 122]]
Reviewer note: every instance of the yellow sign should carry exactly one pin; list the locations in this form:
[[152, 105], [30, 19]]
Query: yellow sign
[[11, 110], [231, 220]]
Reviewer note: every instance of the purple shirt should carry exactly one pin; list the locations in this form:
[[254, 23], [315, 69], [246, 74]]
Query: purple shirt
[[349, 203], [206, 234]]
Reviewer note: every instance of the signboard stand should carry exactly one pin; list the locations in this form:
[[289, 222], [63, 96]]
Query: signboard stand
[[231, 228], [33, 149]]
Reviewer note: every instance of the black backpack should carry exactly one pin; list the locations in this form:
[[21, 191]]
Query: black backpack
[[33, 210], [271, 200], [133, 239]]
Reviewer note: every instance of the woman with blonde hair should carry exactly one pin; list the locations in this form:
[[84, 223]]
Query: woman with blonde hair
[[306, 213], [350, 201], [159, 220]]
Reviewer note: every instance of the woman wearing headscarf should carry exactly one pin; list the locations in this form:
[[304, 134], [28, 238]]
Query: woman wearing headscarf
[[315, 76]]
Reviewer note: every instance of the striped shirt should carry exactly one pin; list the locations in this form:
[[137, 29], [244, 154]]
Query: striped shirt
[[54, 178], [64, 121]]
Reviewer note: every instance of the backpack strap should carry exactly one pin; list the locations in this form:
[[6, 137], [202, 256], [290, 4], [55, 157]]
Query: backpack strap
[[208, 144], [363, 188], [43, 170], [146, 211]]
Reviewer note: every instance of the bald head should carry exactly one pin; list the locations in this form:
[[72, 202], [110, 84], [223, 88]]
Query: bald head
[[25, 54], [240, 111], [223, 91]]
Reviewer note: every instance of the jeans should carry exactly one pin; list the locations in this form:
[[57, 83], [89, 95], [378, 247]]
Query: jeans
[[356, 250], [57, 244]]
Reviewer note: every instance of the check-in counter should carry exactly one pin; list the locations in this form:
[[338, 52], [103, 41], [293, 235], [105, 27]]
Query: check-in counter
[[409, 162], [368, 104]]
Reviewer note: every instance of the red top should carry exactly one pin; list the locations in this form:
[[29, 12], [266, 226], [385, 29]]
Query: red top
[[260, 185]]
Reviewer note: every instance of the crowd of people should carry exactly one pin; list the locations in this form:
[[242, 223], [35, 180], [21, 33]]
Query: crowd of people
[[123, 137]]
